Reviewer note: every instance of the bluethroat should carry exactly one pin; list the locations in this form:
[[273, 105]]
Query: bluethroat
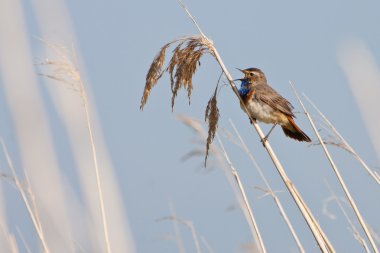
[[267, 105]]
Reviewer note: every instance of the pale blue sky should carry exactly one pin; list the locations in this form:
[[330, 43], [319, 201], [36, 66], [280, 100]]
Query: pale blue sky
[[288, 40]]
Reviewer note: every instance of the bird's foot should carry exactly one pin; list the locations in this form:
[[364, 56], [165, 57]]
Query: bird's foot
[[263, 140], [250, 120]]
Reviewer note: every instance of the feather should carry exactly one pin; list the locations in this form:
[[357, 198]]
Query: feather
[[269, 96]]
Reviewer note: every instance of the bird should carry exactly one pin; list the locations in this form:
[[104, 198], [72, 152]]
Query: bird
[[265, 104]]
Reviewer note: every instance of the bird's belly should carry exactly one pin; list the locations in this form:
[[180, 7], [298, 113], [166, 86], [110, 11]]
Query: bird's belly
[[265, 113]]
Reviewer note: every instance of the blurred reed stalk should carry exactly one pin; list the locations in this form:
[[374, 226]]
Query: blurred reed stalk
[[189, 224], [344, 144], [177, 232], [244, 196], [66, 72], [28, 199], [181, 68], [30, 130], [268, 189], [96, 167], [11, 244], [233, 178], [362, 71], [26, 246], [207, 245], [355, 231], [337, 173]]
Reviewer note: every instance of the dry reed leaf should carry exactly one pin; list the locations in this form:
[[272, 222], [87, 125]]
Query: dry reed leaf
[[181, 68], [212, 117], [183, 64], [173, 63], [155, 72]]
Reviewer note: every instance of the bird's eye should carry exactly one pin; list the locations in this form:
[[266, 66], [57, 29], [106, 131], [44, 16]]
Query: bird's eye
[[251, 74]]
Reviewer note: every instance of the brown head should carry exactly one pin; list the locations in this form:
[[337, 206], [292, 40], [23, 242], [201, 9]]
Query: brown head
[[254, 75]]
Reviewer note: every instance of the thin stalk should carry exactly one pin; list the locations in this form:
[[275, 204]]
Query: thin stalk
[[12, 243], [32, 198], [96, 166], [181, 247], [32, 211], [191, 17], [27, 248], [207, 245], [67, 66], [83, 95], [195, 237], [337, 173], [269, 188], [373, 174], [189, 225], [242, 191], [197, 127], [317, 232], [354, 230]]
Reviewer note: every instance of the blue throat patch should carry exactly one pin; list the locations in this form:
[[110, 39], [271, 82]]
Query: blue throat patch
[[243, 91]]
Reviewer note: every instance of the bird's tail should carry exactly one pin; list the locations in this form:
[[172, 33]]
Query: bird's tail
[[293, 131]]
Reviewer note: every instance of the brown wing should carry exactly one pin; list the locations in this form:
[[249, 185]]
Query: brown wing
[[268, 95]]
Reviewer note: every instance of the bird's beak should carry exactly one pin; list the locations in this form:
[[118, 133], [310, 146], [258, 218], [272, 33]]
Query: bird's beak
[[241, 70], [241, 79]]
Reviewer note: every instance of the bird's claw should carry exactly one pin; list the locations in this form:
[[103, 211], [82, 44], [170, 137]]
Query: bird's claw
[[263, 140], [250, 120]]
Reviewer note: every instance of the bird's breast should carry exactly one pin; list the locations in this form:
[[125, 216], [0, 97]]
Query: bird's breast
[[263, 112]]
